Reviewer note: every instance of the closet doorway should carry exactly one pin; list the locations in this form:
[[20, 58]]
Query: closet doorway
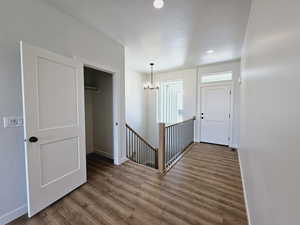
[[99, 121]]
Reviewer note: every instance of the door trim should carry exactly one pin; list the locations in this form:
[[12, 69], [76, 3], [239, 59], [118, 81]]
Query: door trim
[[118, 148], [198, 118]]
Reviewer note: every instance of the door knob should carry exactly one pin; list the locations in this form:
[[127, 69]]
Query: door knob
[[33, 139]]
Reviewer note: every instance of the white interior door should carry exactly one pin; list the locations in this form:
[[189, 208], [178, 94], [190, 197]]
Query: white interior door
[[53, 101], [215, 117]]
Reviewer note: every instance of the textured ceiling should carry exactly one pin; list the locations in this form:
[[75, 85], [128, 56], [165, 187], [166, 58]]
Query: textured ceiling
[[176, 36]]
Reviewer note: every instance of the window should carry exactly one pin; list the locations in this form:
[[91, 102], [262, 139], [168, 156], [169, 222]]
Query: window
[[217, 77], [171, 102]]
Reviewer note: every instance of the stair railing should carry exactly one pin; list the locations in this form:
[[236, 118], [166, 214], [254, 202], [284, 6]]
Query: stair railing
[[173, 141], [139, 150]]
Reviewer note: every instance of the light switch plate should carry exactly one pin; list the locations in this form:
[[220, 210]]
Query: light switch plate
[[11, 122]]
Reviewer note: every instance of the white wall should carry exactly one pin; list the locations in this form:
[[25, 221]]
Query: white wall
[[233, 66], [151, 120], [270, 112], [103, 116], [89, 121], [136, 105], [39, 24]]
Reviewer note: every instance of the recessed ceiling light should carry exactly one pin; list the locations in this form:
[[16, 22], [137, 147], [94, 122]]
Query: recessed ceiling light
[[158, 4], [210, 51]]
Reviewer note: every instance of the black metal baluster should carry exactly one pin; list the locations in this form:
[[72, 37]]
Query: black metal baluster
[[134, 150], [170, 145], [167, 148], [138, 149], [130, 145], [127, 142], [147, 154], [143, 148]]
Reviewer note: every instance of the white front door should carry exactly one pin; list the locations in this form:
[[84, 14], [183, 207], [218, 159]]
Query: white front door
[[53, 102], [215, 117]]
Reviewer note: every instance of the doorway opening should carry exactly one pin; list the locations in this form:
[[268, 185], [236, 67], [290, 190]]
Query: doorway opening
[[99, 119]]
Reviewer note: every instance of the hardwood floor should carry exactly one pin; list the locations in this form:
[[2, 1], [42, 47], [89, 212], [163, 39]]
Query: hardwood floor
[[203, 188]]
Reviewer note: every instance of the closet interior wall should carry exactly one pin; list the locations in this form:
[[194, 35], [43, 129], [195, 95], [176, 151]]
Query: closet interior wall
[[99, 112]]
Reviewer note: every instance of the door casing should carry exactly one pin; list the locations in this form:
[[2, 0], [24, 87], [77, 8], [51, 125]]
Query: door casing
[[117, 119]]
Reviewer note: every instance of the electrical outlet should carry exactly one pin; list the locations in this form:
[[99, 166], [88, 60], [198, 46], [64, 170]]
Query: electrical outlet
[[11, 122]]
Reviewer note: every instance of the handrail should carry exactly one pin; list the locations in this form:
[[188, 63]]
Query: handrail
[[140, 137], [175, 124]]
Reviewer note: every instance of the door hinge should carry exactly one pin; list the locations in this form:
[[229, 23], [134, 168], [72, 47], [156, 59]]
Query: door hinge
[[229, 116]]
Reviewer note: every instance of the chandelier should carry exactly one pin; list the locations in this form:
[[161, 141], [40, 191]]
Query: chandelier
[[150, 85]]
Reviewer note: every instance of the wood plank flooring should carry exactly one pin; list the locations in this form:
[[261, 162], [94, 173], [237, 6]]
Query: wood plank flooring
[[203, 188]]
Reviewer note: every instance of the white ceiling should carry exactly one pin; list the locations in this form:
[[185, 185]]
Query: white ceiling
[[176, 36]]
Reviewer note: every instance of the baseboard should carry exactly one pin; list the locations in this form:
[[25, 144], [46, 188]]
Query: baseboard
[[105, 154], [244, 190], [12, 215], [122, 161], [234, 145]]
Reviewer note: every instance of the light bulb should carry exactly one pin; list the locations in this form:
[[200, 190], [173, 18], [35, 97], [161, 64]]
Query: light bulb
[[210, 51], [147, 85], [158, 4]]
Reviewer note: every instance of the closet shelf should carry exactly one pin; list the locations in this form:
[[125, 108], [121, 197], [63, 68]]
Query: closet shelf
[[92, 88]]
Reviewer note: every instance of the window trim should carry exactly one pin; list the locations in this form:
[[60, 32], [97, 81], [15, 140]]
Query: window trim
[[215, 74]]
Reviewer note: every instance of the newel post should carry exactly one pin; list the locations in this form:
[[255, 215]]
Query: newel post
[[161, 150]]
